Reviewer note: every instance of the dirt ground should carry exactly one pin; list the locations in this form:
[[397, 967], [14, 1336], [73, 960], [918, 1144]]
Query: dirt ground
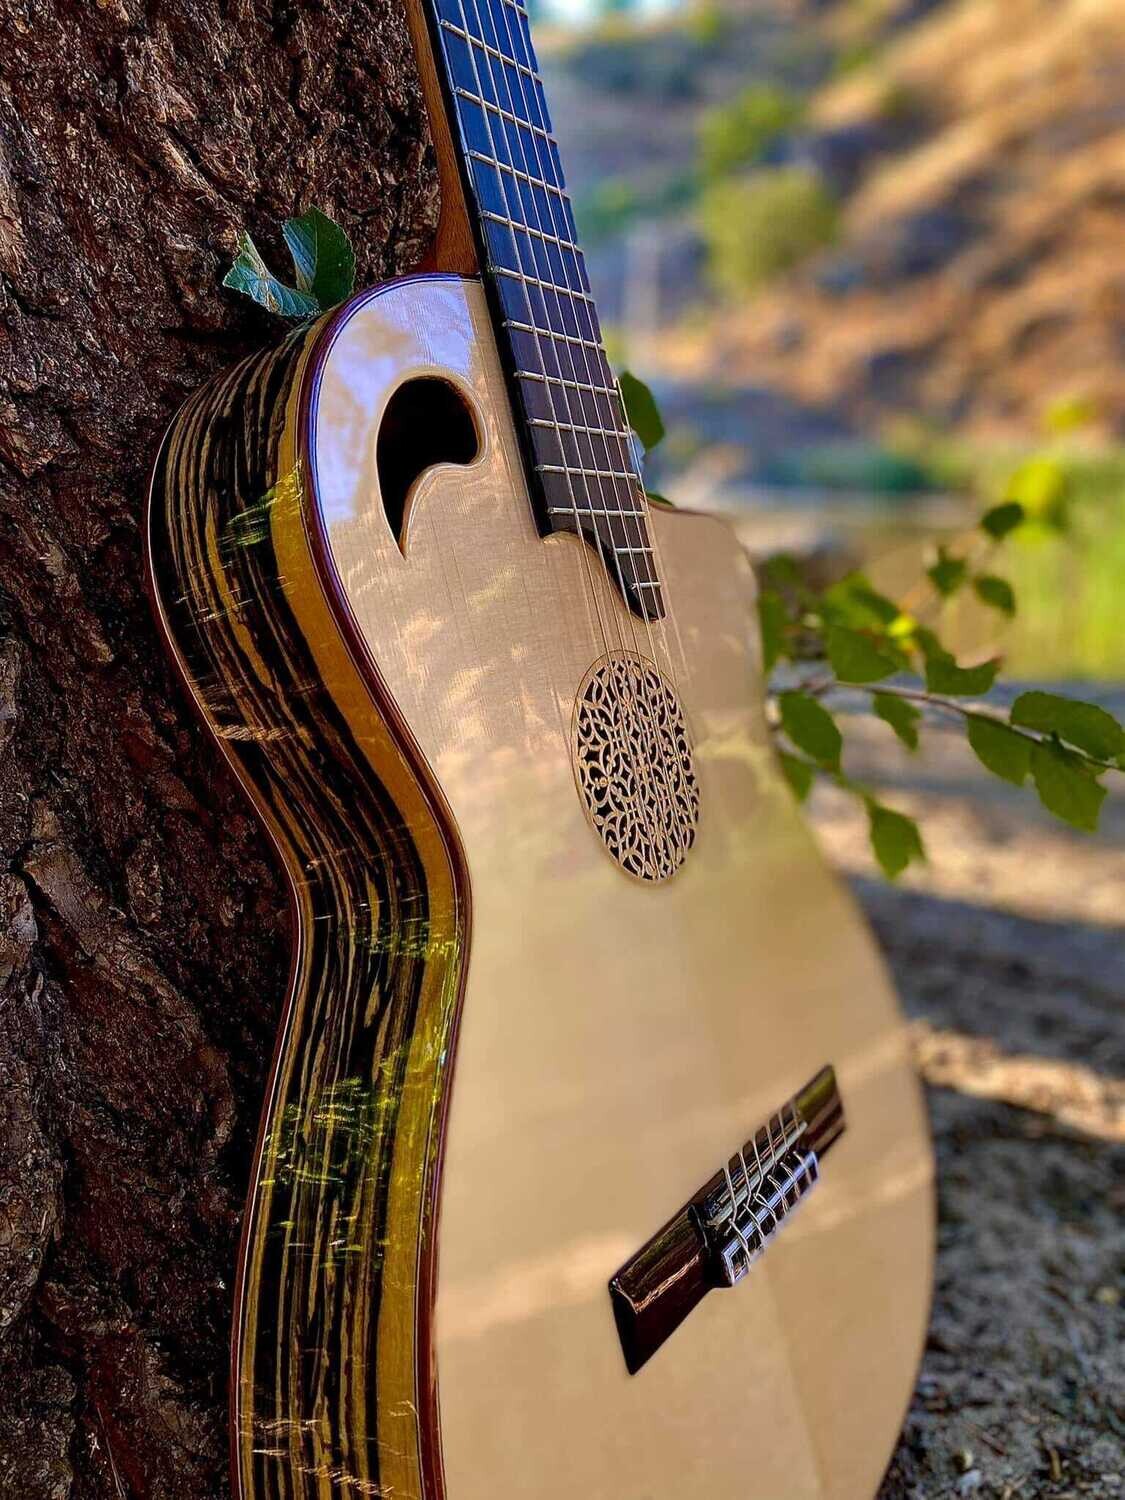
[[1007, 952]]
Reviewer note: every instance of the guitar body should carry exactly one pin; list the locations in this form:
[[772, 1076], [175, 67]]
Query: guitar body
[[519, 1037]]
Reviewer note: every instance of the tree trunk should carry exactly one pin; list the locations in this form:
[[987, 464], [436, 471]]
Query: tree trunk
[[143, 924]]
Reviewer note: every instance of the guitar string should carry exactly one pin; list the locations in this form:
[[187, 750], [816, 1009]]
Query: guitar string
[[620, 435], [591, 588], [631, 748], [660, 766], [662, 769], [533, 178], [644, 521]]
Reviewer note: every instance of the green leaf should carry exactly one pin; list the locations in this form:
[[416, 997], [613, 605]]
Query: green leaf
[[995, 592], [948, 573], [642, 410], [855, 657], [853, 601], [943, 675], [1066, 787], [1002, 519], [323, 257], [1084, 725], [658, 499], [773, 619], [251, 276], [894, 838], [811, 728], [798, 773], [900, 715], [1000, 749]]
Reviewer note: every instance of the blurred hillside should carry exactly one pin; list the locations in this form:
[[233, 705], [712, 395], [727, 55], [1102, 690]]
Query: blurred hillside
[[930, 202], [979, 276]]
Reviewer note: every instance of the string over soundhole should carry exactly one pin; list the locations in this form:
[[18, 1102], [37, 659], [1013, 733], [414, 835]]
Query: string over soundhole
[[634, 766]]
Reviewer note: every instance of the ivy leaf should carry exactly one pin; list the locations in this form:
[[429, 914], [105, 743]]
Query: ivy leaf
[[1084, 725], [642, 410], [323, 258], [798, 773], [948, 573], [999, 749], [895, 839], [996, 593], [811, 728], [855, 657], [252, 277], [900, 715], [773, 620], [1066, 786], [943, 675], [1002, 519]]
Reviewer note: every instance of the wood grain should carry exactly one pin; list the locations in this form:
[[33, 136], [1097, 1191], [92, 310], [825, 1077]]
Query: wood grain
[[331, 1330]]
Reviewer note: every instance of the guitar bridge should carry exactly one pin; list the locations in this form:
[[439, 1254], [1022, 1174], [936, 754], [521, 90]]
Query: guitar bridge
[[756, 1207], [716, 1237]]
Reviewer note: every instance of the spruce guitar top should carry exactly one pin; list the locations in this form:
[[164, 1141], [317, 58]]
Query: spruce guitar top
[[566, 968]]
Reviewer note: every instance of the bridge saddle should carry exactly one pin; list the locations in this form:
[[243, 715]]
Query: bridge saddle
[[760, 1197]]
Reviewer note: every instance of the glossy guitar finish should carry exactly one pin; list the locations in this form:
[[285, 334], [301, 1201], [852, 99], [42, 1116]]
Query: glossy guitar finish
[[488, 1016]]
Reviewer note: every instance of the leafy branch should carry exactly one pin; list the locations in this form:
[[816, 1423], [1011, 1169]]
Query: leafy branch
[[821, 644]]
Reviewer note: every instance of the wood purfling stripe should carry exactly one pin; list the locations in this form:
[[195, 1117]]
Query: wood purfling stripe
[[334, 1392]]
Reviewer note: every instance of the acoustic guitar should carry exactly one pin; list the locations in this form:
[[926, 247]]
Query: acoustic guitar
[[592, 1163]]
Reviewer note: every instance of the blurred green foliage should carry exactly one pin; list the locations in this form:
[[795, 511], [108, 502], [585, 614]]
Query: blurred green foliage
[[758, 226], [616, 202], [739, 132], [1068, 559], [821, 642]]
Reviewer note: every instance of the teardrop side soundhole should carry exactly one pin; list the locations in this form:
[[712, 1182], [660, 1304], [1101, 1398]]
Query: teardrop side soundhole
[[427, 421]]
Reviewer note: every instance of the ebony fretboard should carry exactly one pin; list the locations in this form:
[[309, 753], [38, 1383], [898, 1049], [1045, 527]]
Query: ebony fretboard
[[580, 453]]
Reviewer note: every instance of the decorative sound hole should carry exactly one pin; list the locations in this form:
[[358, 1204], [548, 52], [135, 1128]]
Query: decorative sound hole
[[634, 766]]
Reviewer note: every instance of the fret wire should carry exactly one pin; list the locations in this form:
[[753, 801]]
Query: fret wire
[[593, 473], [492, 51], [515, 171], [617, 405], [541, 234], [577, 385], [553, 333], [538, 104], [592, 510], [533, 132], [574, 427], [498, 109], [538, 181], [538, 281]]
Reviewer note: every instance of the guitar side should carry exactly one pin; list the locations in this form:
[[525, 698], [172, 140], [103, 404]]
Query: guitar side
[[332, 1384]]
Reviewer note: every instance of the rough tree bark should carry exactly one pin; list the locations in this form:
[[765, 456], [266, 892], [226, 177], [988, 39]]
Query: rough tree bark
[[143, 940]]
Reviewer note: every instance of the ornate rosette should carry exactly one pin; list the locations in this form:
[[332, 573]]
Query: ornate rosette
[[634, 766]]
